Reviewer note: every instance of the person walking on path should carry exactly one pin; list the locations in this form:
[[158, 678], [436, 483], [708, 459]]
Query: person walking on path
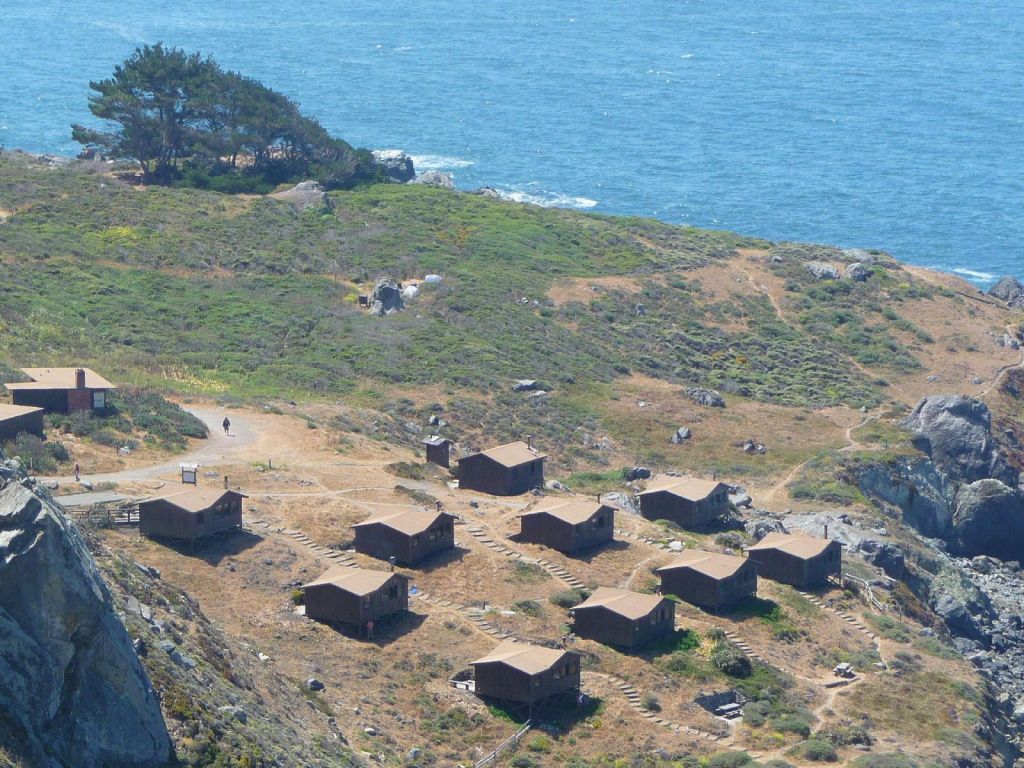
[[78, 473], [369, 630], [227, 426]]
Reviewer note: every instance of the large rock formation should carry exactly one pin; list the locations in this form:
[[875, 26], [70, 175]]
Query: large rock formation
[[435, 179], [386, 297], [397, 164], [989, 520], [72, 690], [1010, 290], [956, 433], [305, 195]]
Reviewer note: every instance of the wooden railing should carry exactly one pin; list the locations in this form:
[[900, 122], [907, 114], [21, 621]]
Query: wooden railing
[[510, 743], [128, 515]]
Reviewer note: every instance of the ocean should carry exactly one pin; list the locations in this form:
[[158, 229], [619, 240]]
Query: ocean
[[866, 124]]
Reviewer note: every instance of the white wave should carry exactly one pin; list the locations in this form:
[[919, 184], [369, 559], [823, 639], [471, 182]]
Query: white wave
[[547, 199], [438, 162], [124, 32], [971, 273], [685, 55]]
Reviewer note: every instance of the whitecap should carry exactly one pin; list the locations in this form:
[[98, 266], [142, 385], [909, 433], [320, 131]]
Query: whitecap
[[972, 273], [546, 199], [438, 162], [685, 55]]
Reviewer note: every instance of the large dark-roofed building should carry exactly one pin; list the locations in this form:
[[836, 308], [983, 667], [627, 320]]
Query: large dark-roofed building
[[519, 672], [191, 513], [568, 526], [355, 595], [507, 470], [408, 535], [15, 419], [61, 390], [686, 501], [709, 579], [797, 559], [623, 618]]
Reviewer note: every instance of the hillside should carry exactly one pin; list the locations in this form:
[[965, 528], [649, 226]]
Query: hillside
[[247, 306]]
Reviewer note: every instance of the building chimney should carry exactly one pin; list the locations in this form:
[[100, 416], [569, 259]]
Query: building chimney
[[826, 530], [80, 378], [529, 441]]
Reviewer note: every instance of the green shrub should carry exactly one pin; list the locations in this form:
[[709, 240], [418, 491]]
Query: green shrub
[[528, 607], [729, 760], [731, 660], [539, 744], [569, 598], [524, 761], [298, 597], [884, 760], [818, 751], [33, 452], [650, 703], [790, 723]]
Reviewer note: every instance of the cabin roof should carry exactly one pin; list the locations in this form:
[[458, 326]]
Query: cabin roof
[[573, 512], [435, 440], [407, 521], [194, 499], [531, 659], [14, 411], [356, 581], [511, 454], [689, 488], [713, 564], [59, 378], [797, 544], [632, 605]]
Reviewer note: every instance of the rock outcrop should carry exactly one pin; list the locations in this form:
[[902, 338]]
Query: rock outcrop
[[858, 272], [1010, 290], [386, 297], [706, 397], [72, 690], [956, 434], [435, 179], [397, 164], [305, 195], [822, 270], [989, 520]]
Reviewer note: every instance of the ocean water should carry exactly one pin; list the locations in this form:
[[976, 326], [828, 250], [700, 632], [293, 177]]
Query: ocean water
[[863, 124]]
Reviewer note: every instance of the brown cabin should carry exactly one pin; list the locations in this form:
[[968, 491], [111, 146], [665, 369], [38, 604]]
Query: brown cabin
[[408, 535], [709, 579], [61, 390], [15, 419], [686, 501], [797, 559], [349, 595], [519, 672], [568, 526], [191, 514], [438, 450], [507, 470], [623, 618]]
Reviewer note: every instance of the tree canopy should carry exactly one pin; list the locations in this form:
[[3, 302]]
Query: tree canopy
[[181, 116]]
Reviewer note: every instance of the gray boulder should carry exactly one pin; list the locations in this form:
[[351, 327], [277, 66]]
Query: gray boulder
[[988, 519], [638, 473], [680, 436], [1010, 290], [386, 297], [70, 679], [396, 164], [305, 195], [435, 179], [858, 272], [884, 555], [758, 529], [956, 433], [821, 270], [706, 397]]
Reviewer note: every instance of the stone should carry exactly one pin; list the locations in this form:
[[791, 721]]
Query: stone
[[637, 473], [370, 730], [314, 685], [821, 270], [758, 529], [386, 297], [676, 546], [680, 436], [413, 754], [857, 271], [988, 519], [706, 397], [526, 385], [397, 165], [489, 192], [70, 677], [1010, 290], [305, 195], [955, 432], [435, 179], [236, 712], [741, 499]]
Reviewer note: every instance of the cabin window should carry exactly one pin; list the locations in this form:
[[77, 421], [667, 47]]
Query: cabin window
[[536, 681], [99, 400], [367, 601], [569, 669], [599, 521], [416, 540], [393, 592], [558, 675]]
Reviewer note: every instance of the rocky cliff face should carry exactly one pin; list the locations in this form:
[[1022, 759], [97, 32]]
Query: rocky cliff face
[[72, 690]]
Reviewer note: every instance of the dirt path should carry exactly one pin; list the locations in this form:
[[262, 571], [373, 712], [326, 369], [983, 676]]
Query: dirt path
[[217, 448]]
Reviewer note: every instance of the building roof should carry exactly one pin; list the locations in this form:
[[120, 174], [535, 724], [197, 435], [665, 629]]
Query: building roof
[[632, 605], [511, 454], [573, 511], [59, 378], [796, 544], [689, 488], [436, 440], [16, 411], [531, 659], [194, 499], [407, 521], [713, 564], [356, 581]]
